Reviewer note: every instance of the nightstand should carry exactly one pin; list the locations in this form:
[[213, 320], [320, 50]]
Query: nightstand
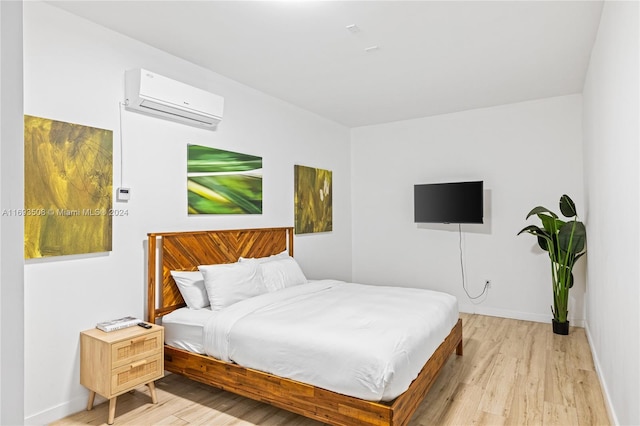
[[116, 362]]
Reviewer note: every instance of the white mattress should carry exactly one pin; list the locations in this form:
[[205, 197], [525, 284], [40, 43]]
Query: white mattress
[[369, 342], [183, 328]]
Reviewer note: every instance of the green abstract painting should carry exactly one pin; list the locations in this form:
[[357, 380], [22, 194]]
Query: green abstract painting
[[313, 200], [223, 182]]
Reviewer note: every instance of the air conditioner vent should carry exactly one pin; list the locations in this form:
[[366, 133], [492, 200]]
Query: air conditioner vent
[[163, 97]]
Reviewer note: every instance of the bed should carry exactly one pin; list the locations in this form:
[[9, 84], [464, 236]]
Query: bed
[[185, 251]]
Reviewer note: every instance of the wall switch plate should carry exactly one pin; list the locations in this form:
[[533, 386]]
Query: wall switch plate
[[123, 194]]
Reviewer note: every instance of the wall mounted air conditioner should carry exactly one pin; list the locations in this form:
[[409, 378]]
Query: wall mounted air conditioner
[[154, 94]]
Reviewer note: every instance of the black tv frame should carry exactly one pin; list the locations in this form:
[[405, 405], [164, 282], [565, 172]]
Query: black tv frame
[[449, 202]]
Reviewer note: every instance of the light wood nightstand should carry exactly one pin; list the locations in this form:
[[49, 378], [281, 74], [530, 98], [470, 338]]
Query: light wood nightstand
[[116, 362]]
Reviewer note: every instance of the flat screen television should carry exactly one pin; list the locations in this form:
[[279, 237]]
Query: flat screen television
[[455, 202]]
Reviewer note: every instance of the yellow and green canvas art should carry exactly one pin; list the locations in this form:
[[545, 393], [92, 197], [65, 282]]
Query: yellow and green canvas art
[[223, 182], [68, 183], [313, 200]]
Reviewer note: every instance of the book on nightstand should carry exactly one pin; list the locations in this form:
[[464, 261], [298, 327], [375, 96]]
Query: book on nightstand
[[117, 324]]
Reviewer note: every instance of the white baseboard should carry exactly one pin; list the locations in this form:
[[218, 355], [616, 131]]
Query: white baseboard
[[613, 419], [60, 411], [505, 313]]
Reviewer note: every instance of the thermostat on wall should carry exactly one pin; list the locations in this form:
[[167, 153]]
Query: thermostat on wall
[[123, 194]]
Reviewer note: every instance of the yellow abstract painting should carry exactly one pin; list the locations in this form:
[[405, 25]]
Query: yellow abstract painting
[[68, 185], [313, 200]]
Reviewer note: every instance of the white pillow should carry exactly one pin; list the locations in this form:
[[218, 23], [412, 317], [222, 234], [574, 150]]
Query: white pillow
[[230, 283], [282, 273], [191, 286], [282, 255]]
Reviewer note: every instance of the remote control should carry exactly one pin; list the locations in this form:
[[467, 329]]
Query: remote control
[[144, 325]]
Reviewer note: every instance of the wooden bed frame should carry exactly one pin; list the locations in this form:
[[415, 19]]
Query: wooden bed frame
[[185, 251]]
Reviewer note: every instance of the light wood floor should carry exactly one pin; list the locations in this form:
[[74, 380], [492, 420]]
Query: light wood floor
[[512, 372]]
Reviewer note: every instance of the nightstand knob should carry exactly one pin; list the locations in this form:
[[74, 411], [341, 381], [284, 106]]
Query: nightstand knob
[[139, 363], [138, 340]]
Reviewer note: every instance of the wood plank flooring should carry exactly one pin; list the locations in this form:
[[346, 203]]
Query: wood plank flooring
[[512, 373]]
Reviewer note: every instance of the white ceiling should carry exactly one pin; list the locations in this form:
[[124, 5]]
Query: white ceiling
[[434, 57]]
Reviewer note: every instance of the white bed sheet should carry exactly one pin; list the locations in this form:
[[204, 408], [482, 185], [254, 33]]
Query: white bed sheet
[[365, 341], [184, 328]]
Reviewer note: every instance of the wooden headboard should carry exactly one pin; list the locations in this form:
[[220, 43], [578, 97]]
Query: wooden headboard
[[184, 251]]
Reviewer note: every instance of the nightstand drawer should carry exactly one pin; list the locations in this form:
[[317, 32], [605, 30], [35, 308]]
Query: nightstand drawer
[[126, 351], [136, 373]]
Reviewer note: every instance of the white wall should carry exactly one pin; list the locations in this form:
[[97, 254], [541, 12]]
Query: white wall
[[74, 72], [611, 163], [11, 226], [528, 154]]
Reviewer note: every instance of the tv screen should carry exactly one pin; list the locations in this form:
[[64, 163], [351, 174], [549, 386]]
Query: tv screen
[[456, 202]]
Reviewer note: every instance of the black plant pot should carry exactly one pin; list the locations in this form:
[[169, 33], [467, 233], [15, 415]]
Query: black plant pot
[[560, 327]]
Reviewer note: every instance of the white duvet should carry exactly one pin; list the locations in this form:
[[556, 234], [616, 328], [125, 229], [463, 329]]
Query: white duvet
[[369, 342]]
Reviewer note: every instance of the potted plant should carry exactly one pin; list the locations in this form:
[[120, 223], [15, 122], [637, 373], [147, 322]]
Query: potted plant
[[565, 243]]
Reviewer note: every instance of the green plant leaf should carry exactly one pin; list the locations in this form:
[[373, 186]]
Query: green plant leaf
[[562, 257], [573, 233], [581, 233], [544, 238], [535, 230], [570, 279], [554, 241], [565, 278], [579, 255], [551, 224], [567, 206], [540, 209], [543, 243]]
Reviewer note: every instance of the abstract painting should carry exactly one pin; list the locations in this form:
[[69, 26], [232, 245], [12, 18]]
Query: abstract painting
[[223, 182], [68, 174], [313, 200]]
